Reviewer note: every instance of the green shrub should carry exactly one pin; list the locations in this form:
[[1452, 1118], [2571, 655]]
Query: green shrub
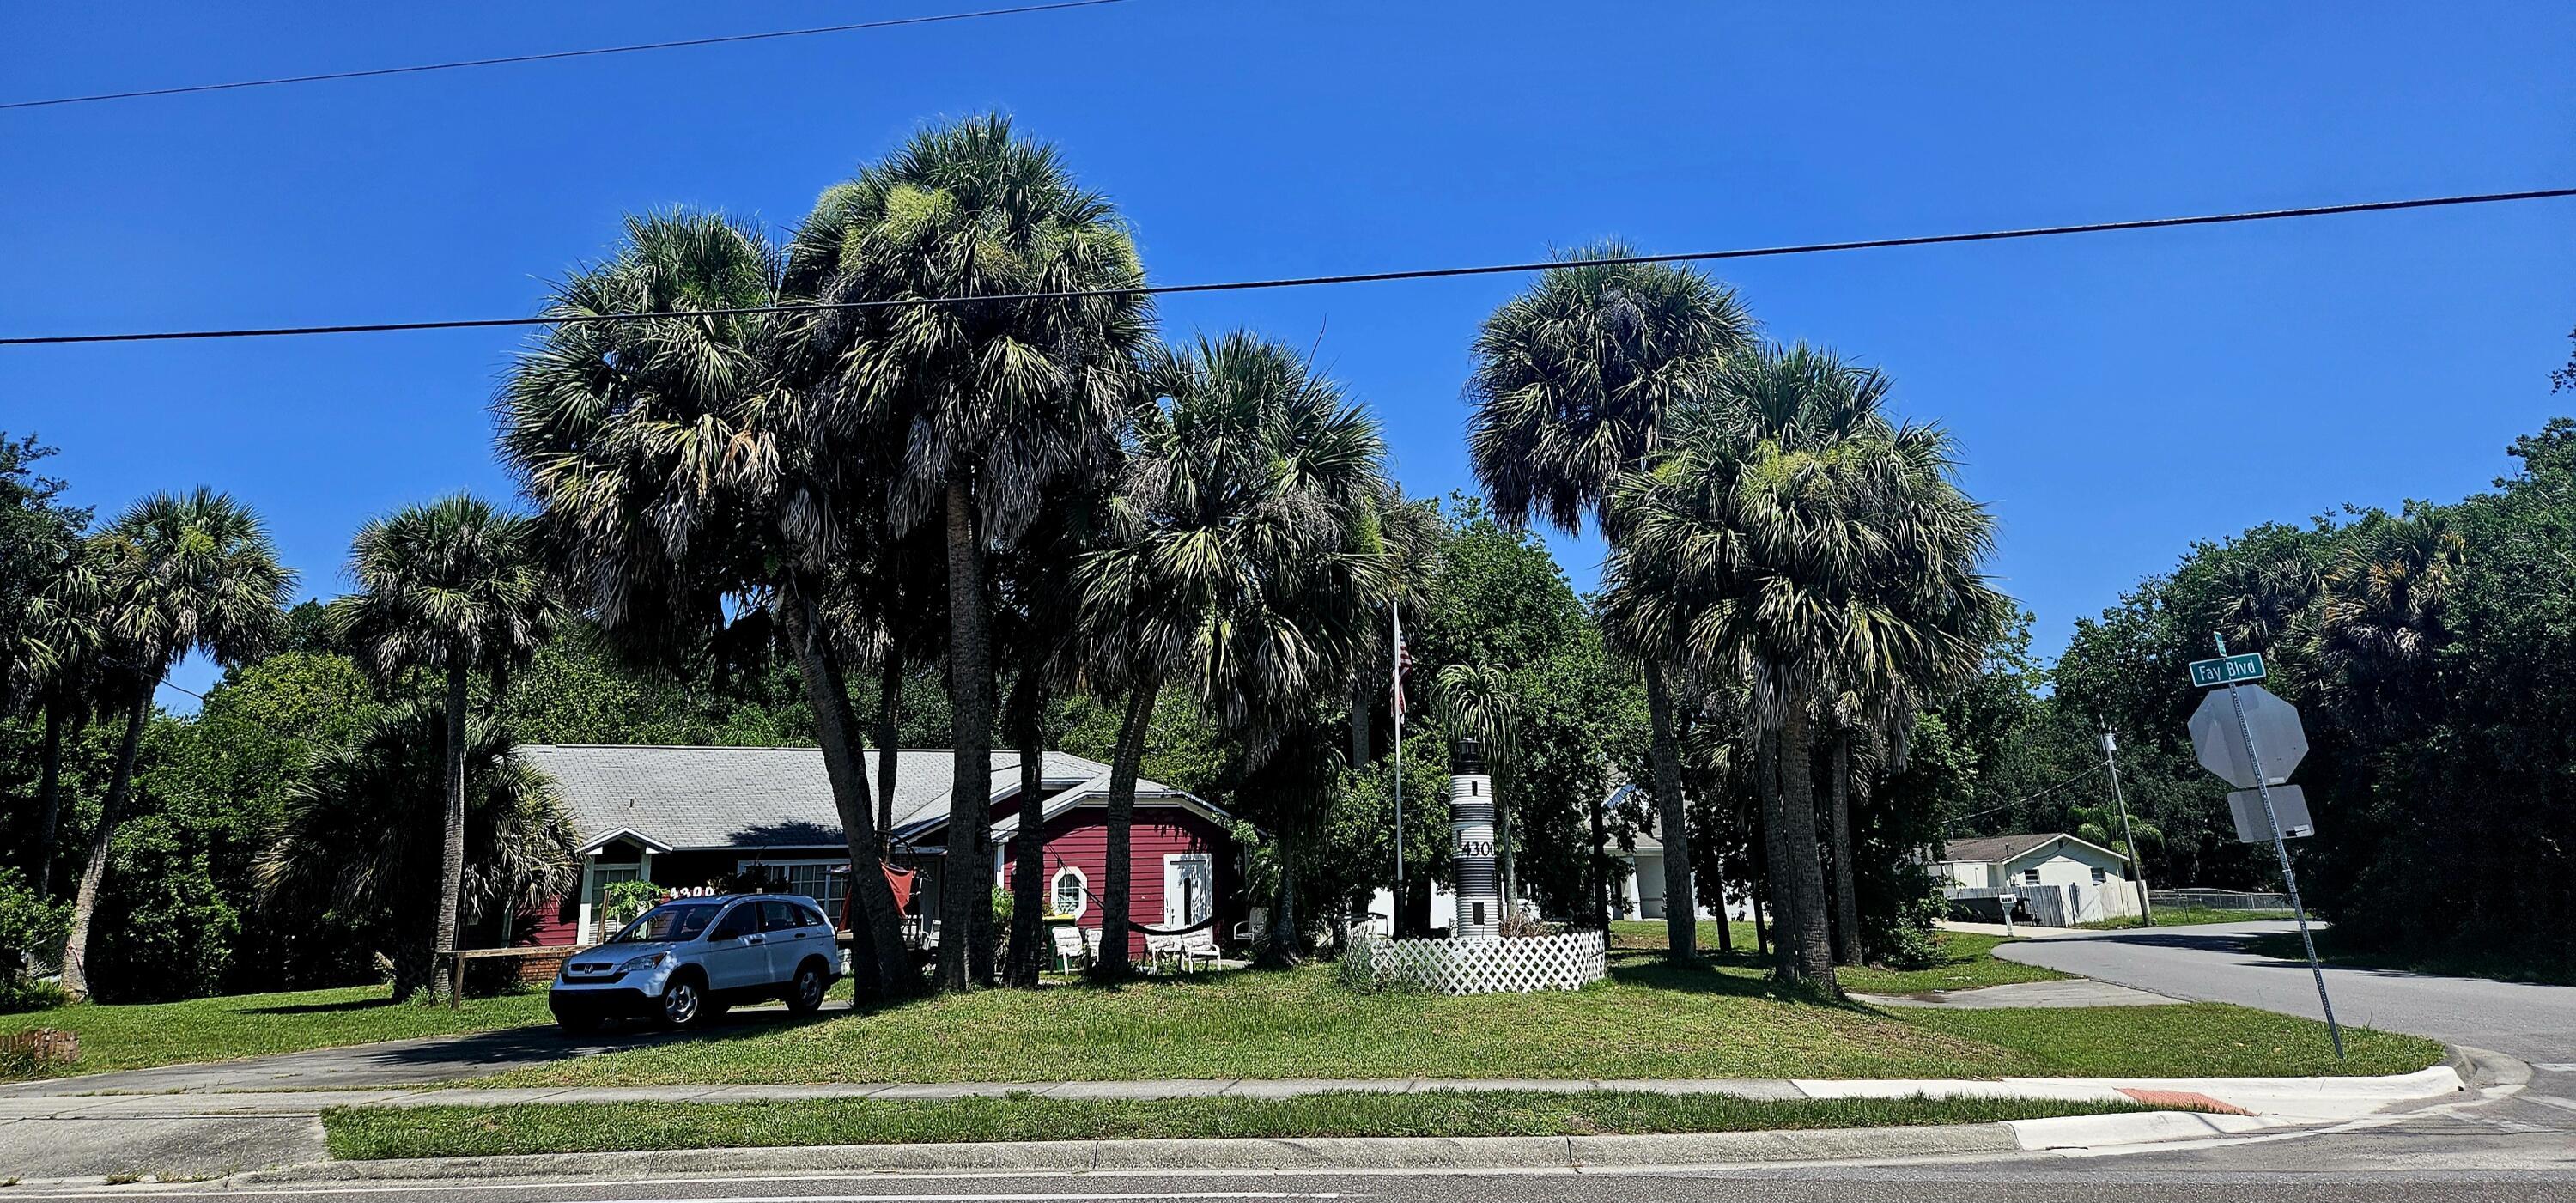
[[1907, 941], [31, 935]]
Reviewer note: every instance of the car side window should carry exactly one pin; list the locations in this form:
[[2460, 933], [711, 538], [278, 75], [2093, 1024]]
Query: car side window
[[739, 922], [781, 916]]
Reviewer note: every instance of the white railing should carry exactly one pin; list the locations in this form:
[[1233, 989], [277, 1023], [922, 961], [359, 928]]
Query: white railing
[[1565, 961]]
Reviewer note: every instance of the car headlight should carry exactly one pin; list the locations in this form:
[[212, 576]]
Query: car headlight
[[642, 963]]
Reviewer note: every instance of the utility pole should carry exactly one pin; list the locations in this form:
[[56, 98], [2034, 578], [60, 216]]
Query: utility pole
[[2128, 835]]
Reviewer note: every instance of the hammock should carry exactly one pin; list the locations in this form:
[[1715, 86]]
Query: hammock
[[1134, 926]]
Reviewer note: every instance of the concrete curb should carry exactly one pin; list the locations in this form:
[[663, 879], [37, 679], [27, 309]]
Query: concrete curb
[[1333, 1154]]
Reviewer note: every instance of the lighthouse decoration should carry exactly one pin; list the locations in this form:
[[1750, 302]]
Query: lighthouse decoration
[[1471, 828]]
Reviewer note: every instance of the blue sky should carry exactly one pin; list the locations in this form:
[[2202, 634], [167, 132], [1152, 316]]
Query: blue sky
[[2116, 397]]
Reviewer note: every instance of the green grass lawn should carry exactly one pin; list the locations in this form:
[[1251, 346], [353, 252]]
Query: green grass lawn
[[122, 1036], [362, 1133], [1967, 960], [1648, 1021], [2184, 916], [1651, 1020]]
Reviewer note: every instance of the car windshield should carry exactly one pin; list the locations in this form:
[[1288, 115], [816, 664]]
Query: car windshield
[[674, 922]]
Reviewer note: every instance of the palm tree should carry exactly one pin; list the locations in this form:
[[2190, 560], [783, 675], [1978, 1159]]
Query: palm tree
[[179, 573], [362, 841], [989, 402], [58, 661], [1801, 536], [1575, 383], [683, 478], [1240, 543], [455, 586], [2383, 611]]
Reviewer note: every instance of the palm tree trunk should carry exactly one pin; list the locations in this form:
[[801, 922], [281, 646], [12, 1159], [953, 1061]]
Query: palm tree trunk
[[1363, 706], [1775, 851], [94, 871], [1725, 923], [1283, 948], [1681, 923], [889, 701], [451, 848], [1114, 963], [1811, 938], [49, 802], [1028, 869], [1839, 824], [880, 964], [965, 885]]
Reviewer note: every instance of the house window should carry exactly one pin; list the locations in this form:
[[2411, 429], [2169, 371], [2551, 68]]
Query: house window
[[1071, 891], [601, 876], [820, 880], [2097, 876], [2030, 877]]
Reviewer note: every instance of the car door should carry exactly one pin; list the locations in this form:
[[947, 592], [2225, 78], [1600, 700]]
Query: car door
[[794, 933], [737, 954]]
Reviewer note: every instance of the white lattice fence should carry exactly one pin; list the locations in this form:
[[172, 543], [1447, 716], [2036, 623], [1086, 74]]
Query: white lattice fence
[[1565, 961]]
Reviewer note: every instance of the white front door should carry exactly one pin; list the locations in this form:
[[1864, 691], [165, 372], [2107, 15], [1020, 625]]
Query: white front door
[[1189, 889]]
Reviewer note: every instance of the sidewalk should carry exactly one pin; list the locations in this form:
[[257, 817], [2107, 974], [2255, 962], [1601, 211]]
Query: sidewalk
[[2303, 1098], [63, 1137]]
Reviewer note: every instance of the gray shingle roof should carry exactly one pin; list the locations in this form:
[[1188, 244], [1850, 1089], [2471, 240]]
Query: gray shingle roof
[[2000, 847], [682, 797]]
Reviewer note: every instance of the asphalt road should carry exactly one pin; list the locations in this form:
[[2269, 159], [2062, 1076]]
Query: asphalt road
[[2534, 1023], [2052, 1182]]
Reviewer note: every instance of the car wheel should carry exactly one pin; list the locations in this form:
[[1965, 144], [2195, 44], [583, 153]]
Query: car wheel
[[805, 994], [684, 1002]]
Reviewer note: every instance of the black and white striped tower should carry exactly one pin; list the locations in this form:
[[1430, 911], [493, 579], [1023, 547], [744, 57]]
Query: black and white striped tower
[[1471, 829]]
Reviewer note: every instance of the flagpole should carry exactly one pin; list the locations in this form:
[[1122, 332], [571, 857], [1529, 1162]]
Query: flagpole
[[1395, 616]]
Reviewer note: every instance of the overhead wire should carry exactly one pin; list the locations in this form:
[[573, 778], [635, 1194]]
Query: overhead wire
[[2080, 775], [556, 55], [1372, 277]]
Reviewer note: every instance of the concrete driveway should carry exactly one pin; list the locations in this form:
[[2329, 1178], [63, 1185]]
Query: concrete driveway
[[2213, 962]]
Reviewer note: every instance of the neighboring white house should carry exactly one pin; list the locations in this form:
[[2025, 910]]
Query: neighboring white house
[[1641, 889], [2060, 880]]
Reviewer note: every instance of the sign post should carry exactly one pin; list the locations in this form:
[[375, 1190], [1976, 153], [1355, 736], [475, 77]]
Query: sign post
[[2232, 672]]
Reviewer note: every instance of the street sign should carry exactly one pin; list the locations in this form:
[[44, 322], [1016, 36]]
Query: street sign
[[2227, 669], [2276, 730], [2289, 805], [2230, 749]]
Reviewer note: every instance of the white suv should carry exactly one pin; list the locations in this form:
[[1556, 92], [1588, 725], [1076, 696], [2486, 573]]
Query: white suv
[[688, 960]]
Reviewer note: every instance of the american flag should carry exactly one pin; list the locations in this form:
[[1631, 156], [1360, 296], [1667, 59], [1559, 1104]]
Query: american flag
[[1403, 661]]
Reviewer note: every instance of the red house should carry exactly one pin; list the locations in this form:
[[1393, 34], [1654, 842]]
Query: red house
[[685, 817]]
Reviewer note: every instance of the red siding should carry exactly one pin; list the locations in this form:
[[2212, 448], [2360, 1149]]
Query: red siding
[[1080, 838], [553, 923]]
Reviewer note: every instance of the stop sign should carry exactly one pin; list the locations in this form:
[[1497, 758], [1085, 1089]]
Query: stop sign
[[2277, 735]]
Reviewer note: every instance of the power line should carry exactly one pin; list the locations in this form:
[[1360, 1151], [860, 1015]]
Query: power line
[[1428, 273], [550, 56], [2085, 772]]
